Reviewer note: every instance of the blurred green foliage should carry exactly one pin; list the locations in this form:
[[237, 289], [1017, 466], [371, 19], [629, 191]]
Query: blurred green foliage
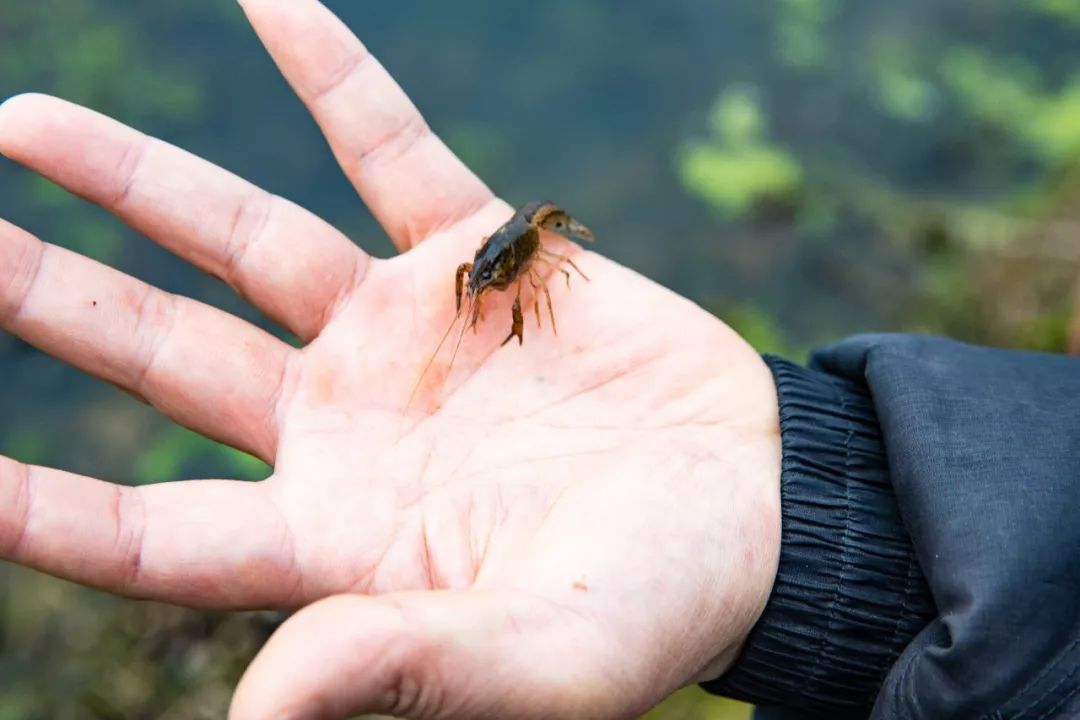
[[801, 31], [736, 167], [1067, 10], [693, 704], [804, 168], [911, 163], [176, 449]]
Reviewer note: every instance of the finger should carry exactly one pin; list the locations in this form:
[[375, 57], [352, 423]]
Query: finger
[[412, 182], [201, 543], [289, 263], [465, 654], [204, 368]]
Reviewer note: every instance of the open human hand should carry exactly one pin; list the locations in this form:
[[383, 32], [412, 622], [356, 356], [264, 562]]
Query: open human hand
[[572, 528]]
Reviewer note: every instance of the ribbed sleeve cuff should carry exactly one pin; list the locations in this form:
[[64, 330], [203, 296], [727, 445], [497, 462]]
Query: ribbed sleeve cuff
[[849, 594]]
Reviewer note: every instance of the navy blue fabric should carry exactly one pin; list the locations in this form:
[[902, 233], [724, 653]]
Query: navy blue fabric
[[849, 594], [982, 455]]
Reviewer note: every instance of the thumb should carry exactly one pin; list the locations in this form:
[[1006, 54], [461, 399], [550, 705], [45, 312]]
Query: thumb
[[452, 654]]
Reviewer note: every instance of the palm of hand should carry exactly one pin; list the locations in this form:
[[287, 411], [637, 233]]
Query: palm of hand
[[553, 476], [572, 496]]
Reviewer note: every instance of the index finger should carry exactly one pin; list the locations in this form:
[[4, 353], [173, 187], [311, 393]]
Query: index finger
[[413, 183]]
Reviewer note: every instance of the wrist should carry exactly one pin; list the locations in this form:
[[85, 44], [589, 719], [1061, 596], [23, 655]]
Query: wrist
[[753, 445], [848, 592]]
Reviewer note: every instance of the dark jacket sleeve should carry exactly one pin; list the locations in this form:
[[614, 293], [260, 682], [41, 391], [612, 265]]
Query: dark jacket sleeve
[[930, 557]]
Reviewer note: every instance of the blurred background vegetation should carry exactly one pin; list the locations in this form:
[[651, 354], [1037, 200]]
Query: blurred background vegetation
[[804, 168]]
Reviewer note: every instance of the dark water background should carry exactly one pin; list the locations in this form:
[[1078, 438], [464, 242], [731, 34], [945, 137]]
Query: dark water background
[[806, 169]]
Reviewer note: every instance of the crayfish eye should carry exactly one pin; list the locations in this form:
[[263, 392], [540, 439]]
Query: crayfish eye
[[486, 275]]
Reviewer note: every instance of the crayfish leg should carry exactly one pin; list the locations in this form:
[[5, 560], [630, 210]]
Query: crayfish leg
[[559, 259], [478, 314], [519, 321], [547, 296], [459, 284], [555, 267], [536, 295]]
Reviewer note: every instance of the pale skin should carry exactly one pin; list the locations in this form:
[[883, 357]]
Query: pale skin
[[572, 528]]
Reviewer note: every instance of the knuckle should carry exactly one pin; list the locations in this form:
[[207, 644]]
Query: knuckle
[[23, 274], [128, 170], [155, 319], [348, 68], [128, 516], [15, 490], [249, 223]]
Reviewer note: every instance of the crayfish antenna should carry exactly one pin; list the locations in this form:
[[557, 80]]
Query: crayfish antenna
[[435, 353], [469, 302]]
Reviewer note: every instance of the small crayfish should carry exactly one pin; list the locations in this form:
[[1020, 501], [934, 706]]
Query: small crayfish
[[511, 255]]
